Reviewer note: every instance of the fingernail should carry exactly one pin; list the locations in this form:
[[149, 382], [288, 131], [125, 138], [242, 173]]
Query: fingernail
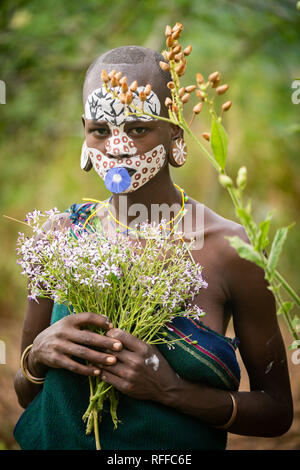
[[97, 372], [110, 360], [117, 346], [110, 325]]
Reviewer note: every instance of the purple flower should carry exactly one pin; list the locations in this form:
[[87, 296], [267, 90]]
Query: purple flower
[[117, 180]]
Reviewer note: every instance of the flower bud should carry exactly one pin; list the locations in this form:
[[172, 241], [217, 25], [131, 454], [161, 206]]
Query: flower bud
[[177, 49], [169, 41], [225, 181], [148, 89], [176, 34], [187, 50], [226, 106], [179, 69], [216, 83], [177, 26], [111, 74], [133, 86], [122, 98], [185, 98], [171, 85], [128, 97], [168, 31], [206, 136], [222, 89], [179, 56], [241, 179], [142, 95], [118, 75], [124, 86], [168, 102], [170, 55], [164, 66], [175, 108], [213, 76], [104, 76], [181, 92], [113, 81], [197, 108], [199, 78], [190, 88]]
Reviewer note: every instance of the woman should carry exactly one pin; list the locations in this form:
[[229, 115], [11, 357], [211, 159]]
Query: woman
[[196, 389]]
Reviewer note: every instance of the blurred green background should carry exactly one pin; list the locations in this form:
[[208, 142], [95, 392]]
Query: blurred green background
[[45, 49]]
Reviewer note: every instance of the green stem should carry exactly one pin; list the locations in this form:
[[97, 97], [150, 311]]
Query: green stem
[[288, 288]]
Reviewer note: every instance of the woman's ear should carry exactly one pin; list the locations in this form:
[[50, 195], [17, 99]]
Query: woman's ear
[[178, 153]]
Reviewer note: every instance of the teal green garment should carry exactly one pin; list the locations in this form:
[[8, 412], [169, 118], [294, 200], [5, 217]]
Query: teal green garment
[[53, 420]]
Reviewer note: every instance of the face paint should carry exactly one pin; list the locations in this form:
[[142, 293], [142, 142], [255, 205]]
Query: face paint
[[102, 106], [145, 166]]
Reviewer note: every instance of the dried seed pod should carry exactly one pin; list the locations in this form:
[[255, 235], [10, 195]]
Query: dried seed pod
[[128, 97], [168, 31], [124, 86], [111, 74], [179, 57], [197, 108], [185, 98], [177, 27], [171, 85], [187, 50], [222, 89], [179, 69], [199, 78], [216, 83], [164, 66], [168, 102], [142, 95], [122, 98], [114, 81], [170, 55], [181, 92], [104, 76], [206, 136], [148, 89], [177, 49], [176, 34], [133, 86], [118, 75], [226, 106], [169, 41], [175, 108], [213, 76], [190, 88]]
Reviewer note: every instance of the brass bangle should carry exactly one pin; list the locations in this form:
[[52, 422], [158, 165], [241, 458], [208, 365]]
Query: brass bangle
[[24, 368], [233, 414]]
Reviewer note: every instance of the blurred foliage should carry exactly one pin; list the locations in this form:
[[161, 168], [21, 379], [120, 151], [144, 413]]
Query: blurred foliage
[[45, 49]]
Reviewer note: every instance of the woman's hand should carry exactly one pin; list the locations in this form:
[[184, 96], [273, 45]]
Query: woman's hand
[[68, 339], [141, 371]]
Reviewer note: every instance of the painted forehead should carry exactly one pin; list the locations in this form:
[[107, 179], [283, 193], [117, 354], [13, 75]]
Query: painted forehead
[[101, 105]]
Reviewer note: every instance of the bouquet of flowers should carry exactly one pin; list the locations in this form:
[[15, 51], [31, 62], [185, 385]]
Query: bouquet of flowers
[[140, 282]]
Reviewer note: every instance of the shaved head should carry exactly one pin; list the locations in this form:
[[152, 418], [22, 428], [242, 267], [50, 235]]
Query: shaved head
[[136, 63]]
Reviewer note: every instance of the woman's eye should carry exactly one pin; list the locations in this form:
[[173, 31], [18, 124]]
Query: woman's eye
[[137, 130], [101, 131]]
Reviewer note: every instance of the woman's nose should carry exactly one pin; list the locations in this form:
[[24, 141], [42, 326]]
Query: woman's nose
[[120, 144]]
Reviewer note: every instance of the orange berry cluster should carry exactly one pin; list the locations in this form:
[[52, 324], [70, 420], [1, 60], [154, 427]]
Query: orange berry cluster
[[115, 79]]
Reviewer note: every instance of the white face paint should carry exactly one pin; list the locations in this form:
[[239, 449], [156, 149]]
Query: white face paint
[[121, 151]]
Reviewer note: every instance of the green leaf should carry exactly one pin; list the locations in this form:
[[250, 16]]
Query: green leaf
[[285, 308], [246, 251], [219, 142], [276, 249], [245, 217], [262, 235]]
